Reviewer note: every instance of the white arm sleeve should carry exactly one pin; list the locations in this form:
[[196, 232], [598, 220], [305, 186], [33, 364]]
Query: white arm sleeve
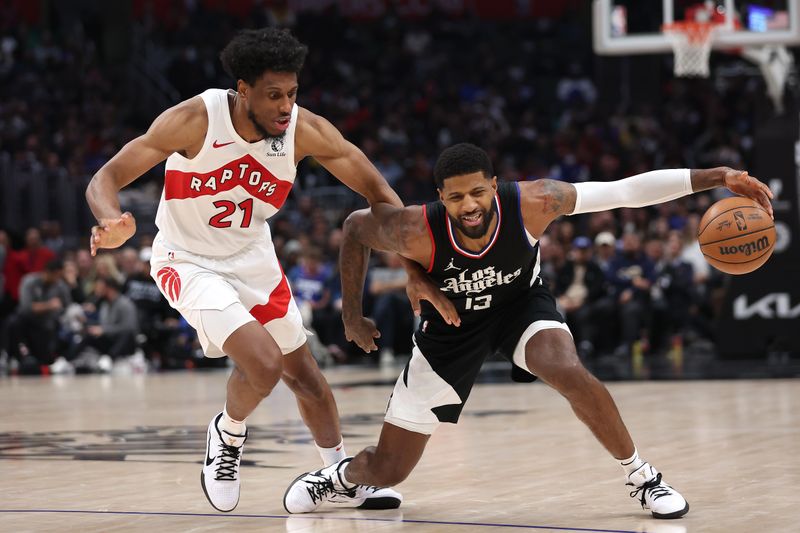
[[650, 188]]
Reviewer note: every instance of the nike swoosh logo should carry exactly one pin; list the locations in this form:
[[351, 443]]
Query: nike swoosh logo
[[209, 459], [339, 448], [217, 144]]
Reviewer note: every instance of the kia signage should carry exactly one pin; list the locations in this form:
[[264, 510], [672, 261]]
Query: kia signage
[[761, 312]]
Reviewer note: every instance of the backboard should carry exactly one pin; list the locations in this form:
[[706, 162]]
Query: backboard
[[631, 27]]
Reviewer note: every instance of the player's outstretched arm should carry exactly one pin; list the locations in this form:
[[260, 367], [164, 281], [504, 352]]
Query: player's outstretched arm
[[179, 129], [382, 227], [545, 200]]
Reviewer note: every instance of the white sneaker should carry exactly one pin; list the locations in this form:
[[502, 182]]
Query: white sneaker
[[661, 499], [220, 475], [62, 366], [105, 364], [310, 490]]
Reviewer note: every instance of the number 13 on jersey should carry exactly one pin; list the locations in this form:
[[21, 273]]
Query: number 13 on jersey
[[478, 303]]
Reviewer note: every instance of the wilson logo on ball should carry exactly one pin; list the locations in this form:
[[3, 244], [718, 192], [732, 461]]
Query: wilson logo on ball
[[170, 282], [747, 248]]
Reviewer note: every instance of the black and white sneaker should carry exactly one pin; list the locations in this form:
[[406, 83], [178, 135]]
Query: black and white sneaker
[[220, 475], [312, 489], [662, 500]]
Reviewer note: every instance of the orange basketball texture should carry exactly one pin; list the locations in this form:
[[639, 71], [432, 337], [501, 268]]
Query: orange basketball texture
[[736, 235]]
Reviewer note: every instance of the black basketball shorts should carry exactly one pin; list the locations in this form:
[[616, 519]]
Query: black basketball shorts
[[446, 360]]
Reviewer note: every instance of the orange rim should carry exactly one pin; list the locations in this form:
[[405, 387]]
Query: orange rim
[[696, 32]]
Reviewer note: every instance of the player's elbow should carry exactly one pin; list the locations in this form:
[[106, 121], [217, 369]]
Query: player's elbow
[[353, 223], [100, 181], [91, 190]]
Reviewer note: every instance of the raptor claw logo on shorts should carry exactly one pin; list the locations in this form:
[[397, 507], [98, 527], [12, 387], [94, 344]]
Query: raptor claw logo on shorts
[[170, 282]]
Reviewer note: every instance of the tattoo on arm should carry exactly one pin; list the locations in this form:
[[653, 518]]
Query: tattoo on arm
[[364, 230], [558, 197]]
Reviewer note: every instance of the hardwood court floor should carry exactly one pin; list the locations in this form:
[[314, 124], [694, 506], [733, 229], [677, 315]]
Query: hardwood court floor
[[109, 453]]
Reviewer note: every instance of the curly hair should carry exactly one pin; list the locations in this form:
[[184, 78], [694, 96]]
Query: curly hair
[[251, 53], [460, 159]]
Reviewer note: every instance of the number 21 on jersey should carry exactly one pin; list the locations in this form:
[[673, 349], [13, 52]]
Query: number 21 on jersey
[[220, 220], [479, 302]]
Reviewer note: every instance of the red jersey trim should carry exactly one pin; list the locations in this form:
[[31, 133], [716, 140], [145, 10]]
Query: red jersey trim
[[430, 234], [478, 255], [245, 172]]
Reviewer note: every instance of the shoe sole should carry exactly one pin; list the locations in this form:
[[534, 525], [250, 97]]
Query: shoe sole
[[203, 484], [676, 514], [378, 504]]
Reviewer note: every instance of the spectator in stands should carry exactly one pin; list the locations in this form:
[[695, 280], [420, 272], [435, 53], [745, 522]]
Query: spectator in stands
[[604, 249], [32, 258], [128, 262], [158, 321], [114, 336], [580, 291], [310, 286], [673, 292], [631, 275], [72, 278], [391, 309], [33, 331], [86, 273]]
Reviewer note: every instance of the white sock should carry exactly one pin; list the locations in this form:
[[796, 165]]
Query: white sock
[[230, 425], [331, 455], [632, 463]]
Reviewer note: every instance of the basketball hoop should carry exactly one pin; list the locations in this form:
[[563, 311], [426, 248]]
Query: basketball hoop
[[691, 42]]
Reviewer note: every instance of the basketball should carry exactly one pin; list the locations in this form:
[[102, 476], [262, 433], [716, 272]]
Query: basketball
[[736, 235]]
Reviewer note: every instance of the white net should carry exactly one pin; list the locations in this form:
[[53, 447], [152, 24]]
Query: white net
[[691, 42], [776, 63]]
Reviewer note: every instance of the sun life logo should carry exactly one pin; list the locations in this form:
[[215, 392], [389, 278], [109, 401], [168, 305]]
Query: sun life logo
[[276, 144]]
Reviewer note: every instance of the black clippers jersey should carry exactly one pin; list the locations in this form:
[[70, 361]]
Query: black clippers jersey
[[479, 283]]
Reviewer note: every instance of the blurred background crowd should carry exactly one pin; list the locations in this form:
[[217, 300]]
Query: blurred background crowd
[[75, 85]]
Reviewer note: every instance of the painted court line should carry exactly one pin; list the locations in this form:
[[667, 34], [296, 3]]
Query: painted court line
[[302, 517]]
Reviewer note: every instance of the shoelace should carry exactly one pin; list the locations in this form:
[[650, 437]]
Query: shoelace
[[319, 489], [228, 462], [654, 486]]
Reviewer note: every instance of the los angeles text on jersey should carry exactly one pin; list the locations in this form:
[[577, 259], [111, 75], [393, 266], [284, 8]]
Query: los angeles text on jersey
[[479, 280], [244, 172]]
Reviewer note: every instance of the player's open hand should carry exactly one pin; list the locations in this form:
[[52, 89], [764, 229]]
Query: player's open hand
[[742, 183], [112, 232], [362, 331], [421, 287]]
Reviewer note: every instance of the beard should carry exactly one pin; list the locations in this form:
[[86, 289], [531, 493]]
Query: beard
[[475, 232], [261, 129]]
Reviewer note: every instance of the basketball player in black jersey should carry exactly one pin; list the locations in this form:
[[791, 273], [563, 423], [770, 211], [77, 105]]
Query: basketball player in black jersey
[[479, 244]]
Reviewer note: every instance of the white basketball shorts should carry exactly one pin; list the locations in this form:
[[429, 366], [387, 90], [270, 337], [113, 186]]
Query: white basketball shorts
[[217, 296]]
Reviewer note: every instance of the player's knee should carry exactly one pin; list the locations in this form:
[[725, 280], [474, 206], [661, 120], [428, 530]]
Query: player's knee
[[554, 359], [264, 373], [310, 387]]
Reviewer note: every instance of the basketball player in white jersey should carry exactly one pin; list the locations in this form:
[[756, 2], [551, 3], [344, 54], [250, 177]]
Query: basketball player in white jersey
[[231, 161]]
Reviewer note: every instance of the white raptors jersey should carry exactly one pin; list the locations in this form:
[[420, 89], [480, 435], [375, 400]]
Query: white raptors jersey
[[218, 202]]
